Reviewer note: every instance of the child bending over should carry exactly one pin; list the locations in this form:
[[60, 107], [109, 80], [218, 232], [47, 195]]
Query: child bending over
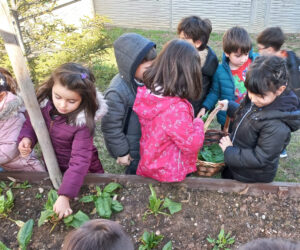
[[262, 123], [171, 137], [70, 104]]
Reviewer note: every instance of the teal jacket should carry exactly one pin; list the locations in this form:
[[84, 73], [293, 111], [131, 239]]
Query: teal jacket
[[222, 87]]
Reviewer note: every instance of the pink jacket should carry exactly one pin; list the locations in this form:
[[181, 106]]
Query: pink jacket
[[11, 121], [171, 137]]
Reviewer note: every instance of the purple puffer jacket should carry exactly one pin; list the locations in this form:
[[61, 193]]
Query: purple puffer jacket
[[73, 146]]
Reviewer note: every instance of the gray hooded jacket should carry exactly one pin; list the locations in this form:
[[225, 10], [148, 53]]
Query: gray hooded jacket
[[120, 126]]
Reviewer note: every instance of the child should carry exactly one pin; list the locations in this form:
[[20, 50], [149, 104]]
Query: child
[[263, 123], [121, 127], [98, 234], [228, 81], [171, 137], [11, 121], [269, 42], [196, 31], [271, 244], [70, 104]]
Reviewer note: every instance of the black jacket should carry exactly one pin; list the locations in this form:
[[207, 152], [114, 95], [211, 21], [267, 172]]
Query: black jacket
[[259, 135], [293, 65], [120, 126], [208, 70]]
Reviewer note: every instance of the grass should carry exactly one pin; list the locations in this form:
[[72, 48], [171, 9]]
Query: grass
[[105, 69]]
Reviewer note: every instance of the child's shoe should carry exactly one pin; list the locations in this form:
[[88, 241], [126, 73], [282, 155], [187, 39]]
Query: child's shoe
[[283, 154]]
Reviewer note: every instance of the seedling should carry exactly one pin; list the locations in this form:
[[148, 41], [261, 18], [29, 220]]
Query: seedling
[[48, 214], [156, 205], [38, 196], [25, 234], [151, 240], [104, 202], [6, 203], [14, 184], [222, 242]]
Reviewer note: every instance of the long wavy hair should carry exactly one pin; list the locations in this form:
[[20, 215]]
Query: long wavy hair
[[77, 78], [176, 71]]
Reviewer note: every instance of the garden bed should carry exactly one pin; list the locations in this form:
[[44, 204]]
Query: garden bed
[[247, 211]]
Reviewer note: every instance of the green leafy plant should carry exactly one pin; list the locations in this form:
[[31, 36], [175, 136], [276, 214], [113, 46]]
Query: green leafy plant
[[14, 184], [38, 196], [6, 203], [168, 246], [156, 205], [48, 214], [25, 234], [223, 240], [150, 240], [204, 118], [104, 202], [211, 153]]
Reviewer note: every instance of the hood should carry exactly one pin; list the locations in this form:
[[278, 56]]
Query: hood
[[286, 107], [211, 63], [11, 106], [80, 119], [130, 49], [148, 106]]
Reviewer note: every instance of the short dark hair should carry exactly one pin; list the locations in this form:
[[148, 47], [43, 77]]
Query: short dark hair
[[98, 234], [271, 244], [176, 71], [266, 73], [8, 82], [271, 37], [235, 39], [196, 28]]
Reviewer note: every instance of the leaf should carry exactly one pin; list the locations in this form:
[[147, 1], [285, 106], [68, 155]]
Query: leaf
[[173, 206], [87, 198], [145, 237], [98, 191], [204, 118], [3, 247], [19, 223], [153, 194], [2, 204], [52, 197], [77, 220], [25, 234], [103, 206], [68, 219], [45, 215], [212, 153], [168, 246], [10, 198], [111, 187], [116, 206]]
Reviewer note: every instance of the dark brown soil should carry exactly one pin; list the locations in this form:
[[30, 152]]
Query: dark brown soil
[[203, 213]]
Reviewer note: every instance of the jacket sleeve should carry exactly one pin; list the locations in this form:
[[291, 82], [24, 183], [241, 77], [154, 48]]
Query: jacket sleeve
[[28, 131], [214, 93], [112, 125], [232, 108], [186, 132], [271, 140], [80, 161]]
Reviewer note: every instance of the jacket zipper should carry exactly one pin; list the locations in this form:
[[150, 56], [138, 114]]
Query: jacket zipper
[[241, 121]]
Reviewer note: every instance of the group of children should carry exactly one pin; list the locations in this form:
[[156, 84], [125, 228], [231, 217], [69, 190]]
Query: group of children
[[151, 112]]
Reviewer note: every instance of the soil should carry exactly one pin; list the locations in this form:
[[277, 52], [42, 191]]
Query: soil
[[203, 213]]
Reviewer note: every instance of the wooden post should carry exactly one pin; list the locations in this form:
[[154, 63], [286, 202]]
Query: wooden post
[[27, 91]]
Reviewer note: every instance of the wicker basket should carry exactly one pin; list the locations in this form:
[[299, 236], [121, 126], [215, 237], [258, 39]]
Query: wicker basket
[[205, 168]]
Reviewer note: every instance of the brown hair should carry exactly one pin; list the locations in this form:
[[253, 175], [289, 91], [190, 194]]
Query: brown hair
[[195, 28], [271, 244], [96, 235], [235, 39], [271, 37], [77, 78], [176, 71], [8, 82]]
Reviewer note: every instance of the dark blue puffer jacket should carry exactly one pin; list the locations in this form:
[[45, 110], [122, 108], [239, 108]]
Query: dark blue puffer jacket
[[222, 87]]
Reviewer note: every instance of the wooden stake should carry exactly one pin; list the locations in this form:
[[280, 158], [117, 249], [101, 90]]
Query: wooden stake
[[27, 91]]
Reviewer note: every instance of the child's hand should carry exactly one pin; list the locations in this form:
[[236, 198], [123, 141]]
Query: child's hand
[[201, 113], [62, 207], [223, 105], [25, 147], [124, 160], [225, 142]]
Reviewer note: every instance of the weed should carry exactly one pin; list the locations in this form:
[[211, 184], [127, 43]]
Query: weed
[[38, 196], [6, 203], [222, 242], [104, 202]]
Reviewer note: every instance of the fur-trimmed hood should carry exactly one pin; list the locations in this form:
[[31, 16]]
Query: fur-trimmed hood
[[11, 106], [81, 119]]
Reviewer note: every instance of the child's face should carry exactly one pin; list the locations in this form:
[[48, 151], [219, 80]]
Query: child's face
[[65, 100], [261, 101], [237, 59], [265, 51], [196, 44], [139, 74]]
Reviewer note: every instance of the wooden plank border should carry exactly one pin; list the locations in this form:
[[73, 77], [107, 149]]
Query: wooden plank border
[[282, 189]]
